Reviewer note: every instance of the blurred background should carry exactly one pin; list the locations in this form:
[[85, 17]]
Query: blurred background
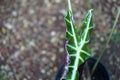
[[32, 36]]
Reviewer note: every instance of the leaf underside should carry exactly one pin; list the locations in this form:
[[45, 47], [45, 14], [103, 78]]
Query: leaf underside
[[77, 45]]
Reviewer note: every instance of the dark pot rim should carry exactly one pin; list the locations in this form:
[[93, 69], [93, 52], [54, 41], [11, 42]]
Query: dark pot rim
[[103, 71]]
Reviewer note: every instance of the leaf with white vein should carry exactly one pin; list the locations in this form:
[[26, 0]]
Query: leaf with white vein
[[77, 45]]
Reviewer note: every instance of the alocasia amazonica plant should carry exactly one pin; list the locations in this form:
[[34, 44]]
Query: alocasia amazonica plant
[[77, 45]]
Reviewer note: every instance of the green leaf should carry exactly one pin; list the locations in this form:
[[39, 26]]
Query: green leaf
[[77, 46]]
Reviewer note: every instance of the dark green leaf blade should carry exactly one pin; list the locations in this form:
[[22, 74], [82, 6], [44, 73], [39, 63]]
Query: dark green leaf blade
[[77, 46]]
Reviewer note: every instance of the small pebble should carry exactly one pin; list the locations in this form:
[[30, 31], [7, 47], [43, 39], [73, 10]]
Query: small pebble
[[24, 79], [57, 1], [44, 59], [61, 50], [48, 73], [8, 25], [25, 25], [53, 33], [14, 13], [53, 58], [43, 71], [4, 31], [53, 40], [50, 22], [55, 69], [43, 52]]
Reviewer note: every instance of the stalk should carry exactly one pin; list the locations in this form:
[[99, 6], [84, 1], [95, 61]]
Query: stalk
[[108, 40]]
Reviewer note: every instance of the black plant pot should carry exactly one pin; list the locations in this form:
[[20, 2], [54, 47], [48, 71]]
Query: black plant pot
[[100, 72]]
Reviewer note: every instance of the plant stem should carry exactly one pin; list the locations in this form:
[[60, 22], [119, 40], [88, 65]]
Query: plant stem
[[108, 40], [70, 8], [69, 5]]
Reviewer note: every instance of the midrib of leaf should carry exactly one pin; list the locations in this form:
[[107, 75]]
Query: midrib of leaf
[[75, 39], [79, 48]]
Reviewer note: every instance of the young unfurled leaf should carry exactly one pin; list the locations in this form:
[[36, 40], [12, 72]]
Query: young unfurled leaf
[[77, 45]]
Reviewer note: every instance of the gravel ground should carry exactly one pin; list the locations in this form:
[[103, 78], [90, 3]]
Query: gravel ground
[[32, 35]]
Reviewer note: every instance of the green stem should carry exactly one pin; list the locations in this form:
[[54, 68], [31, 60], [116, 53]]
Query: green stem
[[70, 8], [108, 40], [69, 5]]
